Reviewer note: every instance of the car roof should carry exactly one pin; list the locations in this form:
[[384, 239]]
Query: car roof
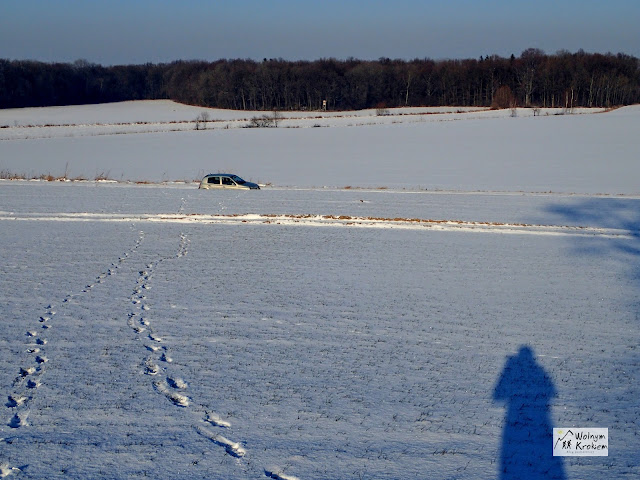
[[221, 175]]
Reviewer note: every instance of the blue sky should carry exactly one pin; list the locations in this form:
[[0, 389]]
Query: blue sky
[[139, 31]]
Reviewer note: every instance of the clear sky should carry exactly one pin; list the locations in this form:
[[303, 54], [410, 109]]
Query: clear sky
[[138, 31]]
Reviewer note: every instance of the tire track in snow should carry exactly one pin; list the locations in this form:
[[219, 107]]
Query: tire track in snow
[[30, 374]]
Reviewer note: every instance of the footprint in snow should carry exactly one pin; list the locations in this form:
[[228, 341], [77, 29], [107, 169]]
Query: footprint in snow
[[16, 401], [177, 383], [232, 448], [151, 368], [177, 398], [19, 420], [216, 421], [136, 328], [27, 371], [276, 474], [6, 470]]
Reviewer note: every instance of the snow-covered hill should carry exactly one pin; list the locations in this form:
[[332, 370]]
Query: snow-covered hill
[[410, 148]]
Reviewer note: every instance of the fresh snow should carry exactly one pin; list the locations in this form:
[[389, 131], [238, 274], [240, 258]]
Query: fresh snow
[[308, 330]]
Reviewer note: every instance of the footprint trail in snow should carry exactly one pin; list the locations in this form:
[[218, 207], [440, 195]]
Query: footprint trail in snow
[[31, 374], [157, 362]]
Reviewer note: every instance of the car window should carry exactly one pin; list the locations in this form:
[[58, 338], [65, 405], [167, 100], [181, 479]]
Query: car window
[[227, 181], [238, 180], [215, 180]]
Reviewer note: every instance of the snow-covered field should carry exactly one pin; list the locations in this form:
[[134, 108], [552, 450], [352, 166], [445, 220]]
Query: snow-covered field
[[312, 331], [410, 148]]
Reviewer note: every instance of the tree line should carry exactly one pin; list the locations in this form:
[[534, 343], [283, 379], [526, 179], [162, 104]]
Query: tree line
[[533, 79]]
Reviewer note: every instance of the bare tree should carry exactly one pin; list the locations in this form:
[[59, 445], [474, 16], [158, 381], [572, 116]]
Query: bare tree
[[503, 98], [202, 118], [530, 61], [277, 117]]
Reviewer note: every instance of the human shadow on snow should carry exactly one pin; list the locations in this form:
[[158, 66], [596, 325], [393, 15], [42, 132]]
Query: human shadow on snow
[[620, 217], [527, 390]]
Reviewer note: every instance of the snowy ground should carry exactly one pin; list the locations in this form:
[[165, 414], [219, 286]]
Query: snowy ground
[[168, 332], [477, 150]]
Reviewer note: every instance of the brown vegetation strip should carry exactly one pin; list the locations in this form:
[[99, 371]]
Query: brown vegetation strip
[[352, 219]]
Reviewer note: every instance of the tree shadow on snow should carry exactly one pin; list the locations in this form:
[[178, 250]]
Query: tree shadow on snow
[[620, 215], [620, 219], [527, 390], [619, 243], [524, 386]]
